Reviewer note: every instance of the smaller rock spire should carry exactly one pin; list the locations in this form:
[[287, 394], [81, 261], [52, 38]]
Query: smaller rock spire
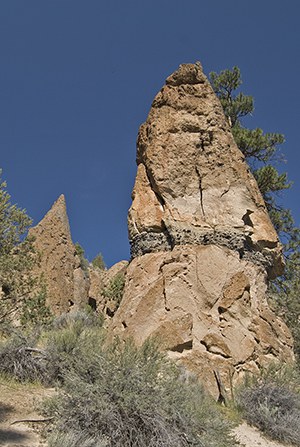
[[58, 212], [59, 263]]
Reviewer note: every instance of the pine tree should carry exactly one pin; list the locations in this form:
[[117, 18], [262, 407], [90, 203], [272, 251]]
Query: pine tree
[[261, 151], [16, 256]]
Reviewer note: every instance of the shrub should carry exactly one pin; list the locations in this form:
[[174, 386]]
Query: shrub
[[30, 357], [126, 396], [115, 289], [19, 358], [98, 262], [84, 263], [287, 303], [273, 406], [63, 344], [74, 439], [80, 318], [34, 311]]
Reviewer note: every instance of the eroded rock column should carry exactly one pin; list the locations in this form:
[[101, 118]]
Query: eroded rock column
[[202, 243], [67, 283]]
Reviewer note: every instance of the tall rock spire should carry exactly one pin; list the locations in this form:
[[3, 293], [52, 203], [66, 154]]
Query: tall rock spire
[[202, 243], [193, 185]]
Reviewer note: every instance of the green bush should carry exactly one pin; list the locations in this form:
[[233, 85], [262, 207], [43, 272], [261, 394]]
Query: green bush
[[287, 304], [121, 395], [79, 318], [32, 356], [62, 344], [98, 262], [34, 310], [115, 289], [272, 404], [113, 395], [84, 263]]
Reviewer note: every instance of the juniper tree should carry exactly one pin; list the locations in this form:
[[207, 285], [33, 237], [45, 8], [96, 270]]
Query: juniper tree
[[16, 255], [98, 262]]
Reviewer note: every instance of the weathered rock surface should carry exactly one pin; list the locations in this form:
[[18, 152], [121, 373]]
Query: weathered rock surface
[[101, 280], [202, 243], [67, 283], [208, 308], [70, 285], [192, 184]]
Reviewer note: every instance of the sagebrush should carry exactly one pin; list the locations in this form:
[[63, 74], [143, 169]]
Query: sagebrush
[[22, 360], [272, 404], [120, 395]]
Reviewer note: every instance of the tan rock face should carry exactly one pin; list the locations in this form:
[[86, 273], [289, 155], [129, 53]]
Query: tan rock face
[[202, 243], [99, 281], [192, 184], [67, 284], [208, 308]]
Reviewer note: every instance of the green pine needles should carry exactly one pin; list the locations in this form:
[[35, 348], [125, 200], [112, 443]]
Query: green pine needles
[[22, 298]]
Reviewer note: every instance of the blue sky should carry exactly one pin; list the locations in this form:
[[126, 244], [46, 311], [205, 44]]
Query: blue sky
[[78, 77]]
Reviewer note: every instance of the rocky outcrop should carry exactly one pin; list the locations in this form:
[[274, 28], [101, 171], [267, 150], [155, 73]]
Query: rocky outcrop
[[202, 243], [208, 308], [193, 185], [67, 283], [102, 281], [71, 282]]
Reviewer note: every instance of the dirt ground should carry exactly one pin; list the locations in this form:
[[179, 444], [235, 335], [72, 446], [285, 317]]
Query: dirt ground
[[19, 402], [251, 437]]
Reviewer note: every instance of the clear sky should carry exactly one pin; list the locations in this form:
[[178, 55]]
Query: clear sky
[[78, 77]]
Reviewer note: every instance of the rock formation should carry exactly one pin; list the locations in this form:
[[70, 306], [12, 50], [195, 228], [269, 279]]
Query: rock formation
[[100, 280], [202, 243], [70, 285], [192, 184], [67, 283]]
